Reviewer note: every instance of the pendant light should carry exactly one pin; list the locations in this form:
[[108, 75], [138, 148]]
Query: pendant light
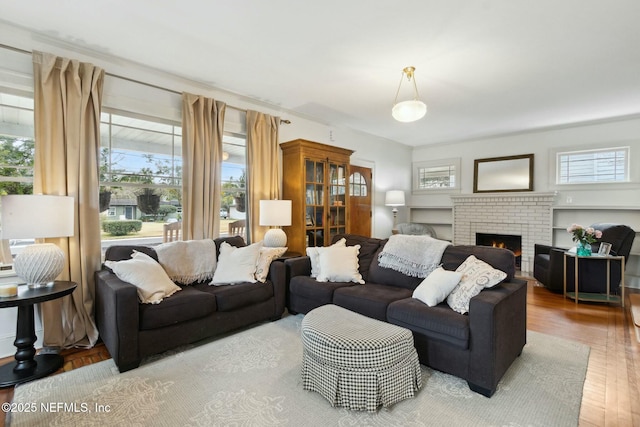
[[412, 109]]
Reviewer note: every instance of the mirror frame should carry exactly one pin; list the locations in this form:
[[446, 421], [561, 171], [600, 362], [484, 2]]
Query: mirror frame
[[480, 175]]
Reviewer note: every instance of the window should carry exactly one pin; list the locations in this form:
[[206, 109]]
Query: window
[[140, 175], [16, 154], [436, 175], [234, 181], [606, 165], [357, 185]]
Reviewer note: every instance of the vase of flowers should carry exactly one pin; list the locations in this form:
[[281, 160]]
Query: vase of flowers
[[584, 237]]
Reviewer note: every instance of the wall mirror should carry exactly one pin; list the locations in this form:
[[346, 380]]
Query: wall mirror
[[511, 173]]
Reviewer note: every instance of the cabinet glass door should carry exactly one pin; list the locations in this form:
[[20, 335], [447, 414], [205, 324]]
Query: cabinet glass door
[[337, 200], [314, 202]]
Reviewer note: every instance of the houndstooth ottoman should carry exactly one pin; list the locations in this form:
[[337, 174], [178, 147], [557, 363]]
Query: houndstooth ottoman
[[357, 362]]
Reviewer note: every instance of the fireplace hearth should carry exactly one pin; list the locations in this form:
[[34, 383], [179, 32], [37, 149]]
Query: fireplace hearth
[[506, 241]]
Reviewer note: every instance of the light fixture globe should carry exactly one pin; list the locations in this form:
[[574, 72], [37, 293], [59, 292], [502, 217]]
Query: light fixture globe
[[409, 111]]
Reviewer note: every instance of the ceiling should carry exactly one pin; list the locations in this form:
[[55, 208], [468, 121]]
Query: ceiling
[[484, 68]]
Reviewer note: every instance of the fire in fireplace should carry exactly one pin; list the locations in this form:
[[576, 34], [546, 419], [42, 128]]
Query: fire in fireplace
[[507, 241]]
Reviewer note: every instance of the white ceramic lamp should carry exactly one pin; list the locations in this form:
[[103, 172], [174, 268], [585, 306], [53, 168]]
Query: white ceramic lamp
[[37, 216], [275, 213], [394, 198]]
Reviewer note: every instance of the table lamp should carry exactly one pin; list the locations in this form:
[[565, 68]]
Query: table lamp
[[394, 198], [34, 217], [275, 213]]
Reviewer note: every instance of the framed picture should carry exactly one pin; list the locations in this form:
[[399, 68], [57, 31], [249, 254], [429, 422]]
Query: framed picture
[[605, 248], [309, 220]]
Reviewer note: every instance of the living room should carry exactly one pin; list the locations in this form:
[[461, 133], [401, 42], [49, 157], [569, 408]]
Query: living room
[[140, 85]]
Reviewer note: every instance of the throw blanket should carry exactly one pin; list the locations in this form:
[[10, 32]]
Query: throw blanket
[[188, 261], [415, 256]]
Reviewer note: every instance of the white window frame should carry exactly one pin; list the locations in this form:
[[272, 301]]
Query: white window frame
[[555, 171], [454, 163]]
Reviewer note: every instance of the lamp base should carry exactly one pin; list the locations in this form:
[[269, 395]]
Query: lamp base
[[275, 238], [39, 264]]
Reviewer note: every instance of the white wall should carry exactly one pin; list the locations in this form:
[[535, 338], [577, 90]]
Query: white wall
[[541, 144]]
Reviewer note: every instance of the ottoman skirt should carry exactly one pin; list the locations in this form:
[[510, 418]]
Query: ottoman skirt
[[357, 362]]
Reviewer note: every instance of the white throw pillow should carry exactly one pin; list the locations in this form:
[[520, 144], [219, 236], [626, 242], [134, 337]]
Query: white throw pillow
[[339, 264], [267, 255], [437, 286], [476, 276], [314, 255], [146, 275], [236, 265]]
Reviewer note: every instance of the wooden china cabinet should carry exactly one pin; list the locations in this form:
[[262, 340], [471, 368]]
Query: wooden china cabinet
[[316, 180]]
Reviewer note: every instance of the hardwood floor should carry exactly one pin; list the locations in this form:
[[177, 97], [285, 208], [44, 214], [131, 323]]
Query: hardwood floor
[[611, 391]]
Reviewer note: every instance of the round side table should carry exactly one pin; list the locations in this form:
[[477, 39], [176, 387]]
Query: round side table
[[27, 365]]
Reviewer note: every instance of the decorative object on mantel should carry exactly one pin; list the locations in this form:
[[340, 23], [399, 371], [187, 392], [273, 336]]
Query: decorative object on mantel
[[500, 174], [38, 216], [412, 109], [394, 198], [584, 237]]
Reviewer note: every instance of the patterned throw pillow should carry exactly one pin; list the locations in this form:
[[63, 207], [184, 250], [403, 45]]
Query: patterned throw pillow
[[476, 276], [267, 255]]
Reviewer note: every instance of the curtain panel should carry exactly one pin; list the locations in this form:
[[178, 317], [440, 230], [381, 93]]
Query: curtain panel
[[67, 105], [202, 127], [263, 170]]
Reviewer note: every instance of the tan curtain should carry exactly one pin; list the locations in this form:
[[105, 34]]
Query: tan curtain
[[263, 171], [202, 126], [67, 107]]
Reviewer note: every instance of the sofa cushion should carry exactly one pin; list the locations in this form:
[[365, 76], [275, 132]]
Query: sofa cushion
[[185, 305], [310, 288], [368, 250], [232, 297], [439, 322], [502, 259], [369, 299], [387, 276]]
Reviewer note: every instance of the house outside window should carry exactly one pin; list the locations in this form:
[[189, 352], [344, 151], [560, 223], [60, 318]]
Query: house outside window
[[436, 175], [606, 165], [17, 146]]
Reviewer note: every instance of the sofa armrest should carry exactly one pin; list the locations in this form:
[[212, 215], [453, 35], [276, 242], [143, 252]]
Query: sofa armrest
[[298, 266], [498, 332], [117, 318], [278, 277]]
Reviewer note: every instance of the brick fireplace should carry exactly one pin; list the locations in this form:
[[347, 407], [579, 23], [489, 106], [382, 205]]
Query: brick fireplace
[[527, 215]]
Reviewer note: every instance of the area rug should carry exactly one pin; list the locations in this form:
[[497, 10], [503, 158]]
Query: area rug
[[252, 378]]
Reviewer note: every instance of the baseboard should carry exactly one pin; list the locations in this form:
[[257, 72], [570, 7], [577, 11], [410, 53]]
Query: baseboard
[[8, 349]]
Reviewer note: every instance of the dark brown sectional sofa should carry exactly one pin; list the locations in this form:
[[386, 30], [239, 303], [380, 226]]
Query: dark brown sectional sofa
[[478, 347], [132, 331]]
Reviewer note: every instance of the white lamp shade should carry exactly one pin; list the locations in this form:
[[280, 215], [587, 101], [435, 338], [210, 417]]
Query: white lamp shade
[[275, 212], [394, 198], [409, 111], [37, 216]]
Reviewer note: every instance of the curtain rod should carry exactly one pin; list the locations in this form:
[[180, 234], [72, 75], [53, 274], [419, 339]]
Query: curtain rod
[[285, 121]]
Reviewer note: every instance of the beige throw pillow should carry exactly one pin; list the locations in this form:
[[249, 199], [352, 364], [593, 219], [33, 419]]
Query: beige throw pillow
[[437, 286], [314, 255], [339, 264], [236, 265], [267, 255], [476, 276], [143, 272]]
